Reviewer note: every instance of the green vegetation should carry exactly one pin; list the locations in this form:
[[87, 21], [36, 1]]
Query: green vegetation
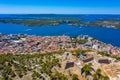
[[42, 66], [58, 76], [113, 23], [104, 54], [80, 41], [40, 22], [75, 77], [78, 52], [109, 55], [99, 76], [19, 65], [86, 69], [37, 66]]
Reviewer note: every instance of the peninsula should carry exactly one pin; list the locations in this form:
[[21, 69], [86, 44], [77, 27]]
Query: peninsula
[[81, 57]]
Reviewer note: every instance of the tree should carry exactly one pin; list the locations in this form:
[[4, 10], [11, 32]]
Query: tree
[[106, 78], [75, 77], [86, 69], [99, 76], [58, 76]]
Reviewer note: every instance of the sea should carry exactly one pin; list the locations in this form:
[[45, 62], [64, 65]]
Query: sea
[[104, 34]]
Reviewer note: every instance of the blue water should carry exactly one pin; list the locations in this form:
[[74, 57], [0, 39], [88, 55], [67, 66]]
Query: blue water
[[107, 35], [31, 16]]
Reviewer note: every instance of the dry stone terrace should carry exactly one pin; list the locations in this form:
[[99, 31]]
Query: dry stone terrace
[[109, 66]]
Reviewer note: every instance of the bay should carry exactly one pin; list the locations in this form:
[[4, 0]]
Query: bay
[[107, 35]]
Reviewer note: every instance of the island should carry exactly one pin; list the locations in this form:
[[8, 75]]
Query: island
[[111, 23], [41, 22]]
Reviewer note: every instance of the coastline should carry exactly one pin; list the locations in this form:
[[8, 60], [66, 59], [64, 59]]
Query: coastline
[[109, 23], [43, 57]]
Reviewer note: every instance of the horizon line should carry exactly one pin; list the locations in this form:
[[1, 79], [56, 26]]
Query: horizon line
[[60, 14]]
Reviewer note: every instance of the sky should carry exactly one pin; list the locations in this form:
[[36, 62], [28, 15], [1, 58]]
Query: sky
[[59, 6]]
